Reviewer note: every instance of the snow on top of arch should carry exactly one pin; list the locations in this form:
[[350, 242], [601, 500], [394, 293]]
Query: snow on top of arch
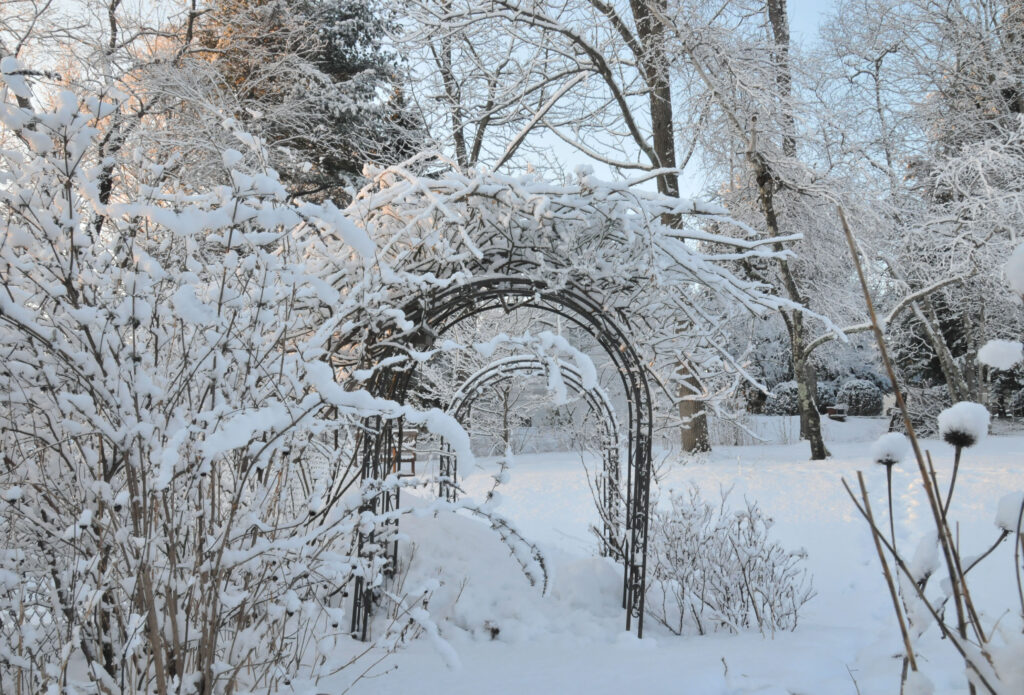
[[427, 211]]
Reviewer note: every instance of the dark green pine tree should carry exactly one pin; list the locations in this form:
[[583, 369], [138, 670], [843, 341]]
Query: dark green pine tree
[[317, 81]]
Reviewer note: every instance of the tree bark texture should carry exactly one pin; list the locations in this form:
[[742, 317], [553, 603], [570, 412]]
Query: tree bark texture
[[768, 186], [650, 31]]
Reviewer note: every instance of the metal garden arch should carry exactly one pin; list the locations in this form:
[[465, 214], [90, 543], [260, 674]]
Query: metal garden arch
[[435, 312], [607, 484]]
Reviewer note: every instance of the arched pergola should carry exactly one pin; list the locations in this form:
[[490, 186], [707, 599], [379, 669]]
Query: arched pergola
[[620, 262], [607, 484], [434, 314]]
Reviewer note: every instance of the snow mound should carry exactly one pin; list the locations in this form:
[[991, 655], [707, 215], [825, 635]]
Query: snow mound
[[479, 593], [890, 448], [1008, 511], [964, 424], [1001, 354]]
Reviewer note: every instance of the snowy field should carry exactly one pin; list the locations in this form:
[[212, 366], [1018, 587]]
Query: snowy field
[[505, 637]]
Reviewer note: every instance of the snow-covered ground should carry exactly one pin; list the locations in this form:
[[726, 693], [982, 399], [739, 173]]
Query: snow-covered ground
[[505, 637]]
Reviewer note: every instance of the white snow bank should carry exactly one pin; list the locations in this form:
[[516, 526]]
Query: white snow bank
[[1001, 354], [890, 448], [964, 424]]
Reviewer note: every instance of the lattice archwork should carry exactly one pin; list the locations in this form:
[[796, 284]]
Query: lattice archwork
[[436, 312]]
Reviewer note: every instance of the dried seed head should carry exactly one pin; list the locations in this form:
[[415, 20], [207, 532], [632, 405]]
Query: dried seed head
[[964, 424]]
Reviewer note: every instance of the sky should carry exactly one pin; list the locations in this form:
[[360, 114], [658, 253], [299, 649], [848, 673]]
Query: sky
[[804, 16]]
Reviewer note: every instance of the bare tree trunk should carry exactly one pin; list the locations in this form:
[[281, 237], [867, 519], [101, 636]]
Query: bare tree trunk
[[694, 430], [810, 420], [812, 391], [651, 33], [955, 381]]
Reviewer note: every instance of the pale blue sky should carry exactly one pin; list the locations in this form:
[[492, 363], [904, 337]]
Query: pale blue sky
[[804, 16]]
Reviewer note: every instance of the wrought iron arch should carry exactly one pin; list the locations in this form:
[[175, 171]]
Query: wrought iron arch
[[606, 485], [434, 313]]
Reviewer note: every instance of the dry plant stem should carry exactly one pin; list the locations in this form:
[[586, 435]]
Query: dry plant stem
[[964, 604], [888, 488], [1016, 557], [952, 480], [949, 634], [888, 575], [977, 560], [932, 493]]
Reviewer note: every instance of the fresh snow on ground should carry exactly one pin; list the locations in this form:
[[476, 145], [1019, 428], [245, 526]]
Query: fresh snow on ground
[[506, 638]]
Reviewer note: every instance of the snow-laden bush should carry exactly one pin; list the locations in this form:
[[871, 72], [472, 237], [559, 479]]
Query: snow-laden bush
[[783, 400], [1015, 404], [179, 504], [861, 397], [923, 405], [712, 567], [827, 391]]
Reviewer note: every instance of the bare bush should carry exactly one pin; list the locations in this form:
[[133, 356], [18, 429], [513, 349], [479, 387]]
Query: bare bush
[[712, 567]]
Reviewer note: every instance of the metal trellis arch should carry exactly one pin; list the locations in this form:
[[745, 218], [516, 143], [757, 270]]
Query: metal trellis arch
[[607, 482], [435, 312]]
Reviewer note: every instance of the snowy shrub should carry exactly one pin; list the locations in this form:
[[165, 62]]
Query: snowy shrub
[[783, 400], [861, 397], [1015, 404], [753, 399], [924, 406], [177, 469], [712, 567], [827, 391]]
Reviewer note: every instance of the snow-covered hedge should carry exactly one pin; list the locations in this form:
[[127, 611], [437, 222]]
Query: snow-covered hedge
[[861, 397], [783, 400], [180, 503], [827, 391]]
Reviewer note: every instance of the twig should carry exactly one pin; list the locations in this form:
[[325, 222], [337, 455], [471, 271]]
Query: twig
[[885, 570], [931, 492], [954, 638], [952, 480]]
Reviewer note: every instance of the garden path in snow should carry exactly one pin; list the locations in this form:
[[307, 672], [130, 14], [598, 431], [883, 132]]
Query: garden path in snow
[[572, 640]]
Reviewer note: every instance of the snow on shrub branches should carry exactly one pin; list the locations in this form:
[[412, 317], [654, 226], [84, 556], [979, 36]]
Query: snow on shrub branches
[[182, 367]]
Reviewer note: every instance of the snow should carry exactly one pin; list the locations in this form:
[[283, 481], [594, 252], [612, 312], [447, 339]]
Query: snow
[[1001, 354], [964, 424], [918, 684], [1014, 270], [16, 83], [890, 448], [1008, 511], [512, 640], [925, 559]]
